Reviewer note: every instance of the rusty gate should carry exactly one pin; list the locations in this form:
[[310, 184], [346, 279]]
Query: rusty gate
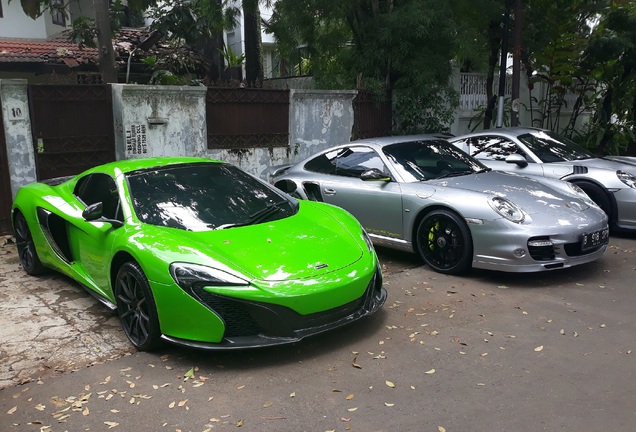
[[72, 126], [247, 117], [371, 118], [5, 185]]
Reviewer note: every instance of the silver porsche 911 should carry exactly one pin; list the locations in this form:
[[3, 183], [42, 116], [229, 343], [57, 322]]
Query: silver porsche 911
[[610, 180], [423, 195]]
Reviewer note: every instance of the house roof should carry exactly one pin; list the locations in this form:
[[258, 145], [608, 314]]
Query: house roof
[[54, 51], [60, 54]]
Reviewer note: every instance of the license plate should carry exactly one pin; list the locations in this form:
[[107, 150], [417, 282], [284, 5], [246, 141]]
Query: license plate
[[594, 239]]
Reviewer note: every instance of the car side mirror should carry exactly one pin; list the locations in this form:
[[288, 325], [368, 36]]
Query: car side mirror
[[374, 174], [93, 213], [517, 159]]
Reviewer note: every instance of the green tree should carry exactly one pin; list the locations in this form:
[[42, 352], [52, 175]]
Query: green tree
[[397, 49]]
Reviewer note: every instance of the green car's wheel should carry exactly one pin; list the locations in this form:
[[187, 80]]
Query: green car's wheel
[[136, 307], [26, 248], [444, 242]]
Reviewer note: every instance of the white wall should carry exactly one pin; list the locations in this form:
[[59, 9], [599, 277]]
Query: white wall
[[16, 24]]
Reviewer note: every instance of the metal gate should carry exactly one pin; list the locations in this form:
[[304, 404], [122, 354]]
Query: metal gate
[[5, 185], [371, 118], [72, 127]]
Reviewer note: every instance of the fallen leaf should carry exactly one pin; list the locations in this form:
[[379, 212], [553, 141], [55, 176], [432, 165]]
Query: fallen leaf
[[268, 404], [389, 404], [430, 372], [292, 394], [349, 397], [183, 402], [390, 384], [352, 409], [345, 419], [539, 348], [240, 423], [111, 424], [354, 364], [12, 410], [189, 374], [441, 429]]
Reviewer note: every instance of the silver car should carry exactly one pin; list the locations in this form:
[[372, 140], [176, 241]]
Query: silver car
[[610, 181], [423, 195]]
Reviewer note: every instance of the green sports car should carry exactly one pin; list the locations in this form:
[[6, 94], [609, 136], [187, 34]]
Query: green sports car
[[199, 253]]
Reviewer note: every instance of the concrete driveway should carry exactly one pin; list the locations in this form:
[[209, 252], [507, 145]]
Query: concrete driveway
[[488, 352]]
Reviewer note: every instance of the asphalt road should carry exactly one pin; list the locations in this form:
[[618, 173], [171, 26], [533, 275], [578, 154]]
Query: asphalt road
[[485, 352]]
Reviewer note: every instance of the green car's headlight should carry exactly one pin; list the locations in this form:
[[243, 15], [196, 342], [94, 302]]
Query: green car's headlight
[[507, 209], [627, 178], [187, 275]]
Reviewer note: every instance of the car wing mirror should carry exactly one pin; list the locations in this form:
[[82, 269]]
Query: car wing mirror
[[374, 174], [517, 159], [93, 213]]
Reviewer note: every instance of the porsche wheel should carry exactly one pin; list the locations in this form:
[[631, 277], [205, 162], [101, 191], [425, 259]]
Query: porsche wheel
[[136, 307], [444, 242], [26, 248]]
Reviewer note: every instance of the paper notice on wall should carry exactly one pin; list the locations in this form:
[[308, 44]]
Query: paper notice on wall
[[136, 140]]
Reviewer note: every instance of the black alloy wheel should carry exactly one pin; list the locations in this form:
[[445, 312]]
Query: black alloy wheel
[[136, 307], [444, 242], [26, 248]]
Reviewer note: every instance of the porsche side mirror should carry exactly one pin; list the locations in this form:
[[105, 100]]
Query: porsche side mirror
[[374, 174], [517, 159], [93, 213]]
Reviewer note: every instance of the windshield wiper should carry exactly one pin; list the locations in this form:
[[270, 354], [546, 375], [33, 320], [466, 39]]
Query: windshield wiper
[[266, 212], [256, 217], [454, 174]]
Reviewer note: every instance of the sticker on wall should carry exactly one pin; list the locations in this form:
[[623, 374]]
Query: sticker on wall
[[136, 140]]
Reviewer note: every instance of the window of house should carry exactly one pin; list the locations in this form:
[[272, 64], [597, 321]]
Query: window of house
[[58, 13]]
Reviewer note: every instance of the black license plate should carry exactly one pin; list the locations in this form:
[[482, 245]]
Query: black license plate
[[594, 239]]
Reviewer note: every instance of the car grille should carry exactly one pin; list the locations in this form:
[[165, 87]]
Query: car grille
[[574, 249], [541, 253], [548, 253], [247, 318]]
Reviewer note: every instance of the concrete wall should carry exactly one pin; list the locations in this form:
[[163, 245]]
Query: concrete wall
[[319, 119], [14, 103], [158, 120], [170, 121]]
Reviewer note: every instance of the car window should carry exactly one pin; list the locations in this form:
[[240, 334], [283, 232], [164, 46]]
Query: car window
[[347, 162], [430, 159], [99, 187], [204, 196], [550, 147], [495, 148]]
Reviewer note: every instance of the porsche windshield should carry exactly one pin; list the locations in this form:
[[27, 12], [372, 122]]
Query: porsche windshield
[[550, 147], [430, 159], [204, 196]]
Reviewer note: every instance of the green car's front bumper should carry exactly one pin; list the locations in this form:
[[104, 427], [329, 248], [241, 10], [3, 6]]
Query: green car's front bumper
[[251, 324]]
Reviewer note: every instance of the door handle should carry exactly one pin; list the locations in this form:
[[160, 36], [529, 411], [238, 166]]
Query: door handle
[[330, 191]]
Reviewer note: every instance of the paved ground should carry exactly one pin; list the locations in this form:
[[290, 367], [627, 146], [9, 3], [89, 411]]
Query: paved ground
[[489, 352]]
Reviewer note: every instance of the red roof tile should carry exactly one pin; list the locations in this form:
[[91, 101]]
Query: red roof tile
[[44, 51]]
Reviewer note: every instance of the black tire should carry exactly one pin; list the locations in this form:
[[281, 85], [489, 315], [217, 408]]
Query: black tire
[[599, 196], [444, 242], [136, 307], [27, 253]]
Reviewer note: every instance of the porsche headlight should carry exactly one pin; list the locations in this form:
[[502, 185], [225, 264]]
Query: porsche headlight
[[627, 178], [507, 209], [187, 275], [581, 193]]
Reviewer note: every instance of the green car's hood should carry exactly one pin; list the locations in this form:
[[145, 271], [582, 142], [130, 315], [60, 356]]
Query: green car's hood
[[311, 243]]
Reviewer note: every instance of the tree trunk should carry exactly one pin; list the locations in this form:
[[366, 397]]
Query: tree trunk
[[106, 60], [253, 44], [494, 32]]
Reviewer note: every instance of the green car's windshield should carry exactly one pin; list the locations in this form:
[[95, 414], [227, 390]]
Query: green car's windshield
[[204, 196], [550, 147], [430, 159]]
